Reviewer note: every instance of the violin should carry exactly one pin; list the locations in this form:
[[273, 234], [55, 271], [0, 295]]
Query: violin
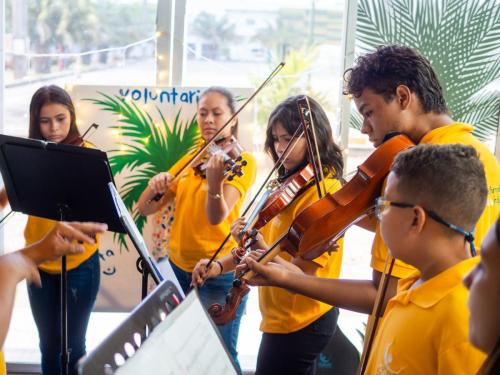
[[233, 161], [322, 223], [231, 151], [276, 201], [240, 251], [79, 140], [199, 153]]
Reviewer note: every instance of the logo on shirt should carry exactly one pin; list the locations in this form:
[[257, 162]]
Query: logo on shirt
[[385, 368]]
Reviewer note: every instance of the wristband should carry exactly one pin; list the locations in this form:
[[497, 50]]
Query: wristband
[[214, 196], [220, 265]]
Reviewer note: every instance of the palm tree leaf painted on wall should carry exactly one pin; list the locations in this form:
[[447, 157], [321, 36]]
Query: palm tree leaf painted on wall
[[460, 38], [148, 147]]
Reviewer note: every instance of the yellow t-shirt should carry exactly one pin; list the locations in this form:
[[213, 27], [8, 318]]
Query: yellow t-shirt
[[283, 311], [454, 133], [37, 228], [193, 237], [425, 329], [3, 369]]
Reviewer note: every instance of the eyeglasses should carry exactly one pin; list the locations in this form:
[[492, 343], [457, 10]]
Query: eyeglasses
[[381, 205]]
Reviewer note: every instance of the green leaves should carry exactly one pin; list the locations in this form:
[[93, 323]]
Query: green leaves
[[460, 38], [146, 147]]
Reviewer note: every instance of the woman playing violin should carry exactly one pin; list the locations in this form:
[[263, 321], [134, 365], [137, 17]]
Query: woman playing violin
[[296, 328], [205, 205], [52, 118]]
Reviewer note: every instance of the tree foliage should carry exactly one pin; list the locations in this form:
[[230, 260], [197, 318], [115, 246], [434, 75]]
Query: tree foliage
[[460, 38], [148, 147]]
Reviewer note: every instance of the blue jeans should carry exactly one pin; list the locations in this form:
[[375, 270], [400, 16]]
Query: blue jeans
[[214, 291], [83, 284]]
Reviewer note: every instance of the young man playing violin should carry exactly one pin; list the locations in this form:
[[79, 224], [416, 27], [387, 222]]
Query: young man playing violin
[[425, 327], [396, 89]]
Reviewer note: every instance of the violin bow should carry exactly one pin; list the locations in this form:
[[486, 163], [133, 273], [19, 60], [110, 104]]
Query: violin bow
[[307, 126], [198, 153], [312, 143], [233, 116], [290, 146], [371, 327], [94, 125]]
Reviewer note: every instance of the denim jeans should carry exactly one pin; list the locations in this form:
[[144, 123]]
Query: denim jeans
[[296, 353], [214, 291], [83, 284]]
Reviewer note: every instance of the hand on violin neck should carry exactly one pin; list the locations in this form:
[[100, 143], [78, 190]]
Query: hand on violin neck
[[242, 267], [200, 272], [215, 172], [237, 228], [270, 274]]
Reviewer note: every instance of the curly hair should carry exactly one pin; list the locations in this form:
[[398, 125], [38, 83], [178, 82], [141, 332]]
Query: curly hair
[[390, 66]]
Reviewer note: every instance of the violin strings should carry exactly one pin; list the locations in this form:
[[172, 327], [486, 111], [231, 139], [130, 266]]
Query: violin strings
[[279, 163]]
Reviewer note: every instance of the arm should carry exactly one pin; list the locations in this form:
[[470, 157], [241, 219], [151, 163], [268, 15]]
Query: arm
[[158, 184], [201, 273], [355, 295], [64, 238], [3, 199], [221, 197], [14, 267]]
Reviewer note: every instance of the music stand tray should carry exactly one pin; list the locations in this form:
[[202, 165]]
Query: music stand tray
[[162, 336]]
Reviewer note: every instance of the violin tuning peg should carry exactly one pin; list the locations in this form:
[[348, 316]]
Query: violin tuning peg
[[239, 158], [230, 177], [244, 162]]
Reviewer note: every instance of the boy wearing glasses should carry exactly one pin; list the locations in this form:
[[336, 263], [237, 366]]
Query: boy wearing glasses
[[396, 89], [434, 196]]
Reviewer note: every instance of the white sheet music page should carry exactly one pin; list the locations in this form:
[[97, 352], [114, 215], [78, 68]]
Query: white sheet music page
[[185, 343]]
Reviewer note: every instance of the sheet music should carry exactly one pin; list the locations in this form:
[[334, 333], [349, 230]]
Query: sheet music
[[185, 343]]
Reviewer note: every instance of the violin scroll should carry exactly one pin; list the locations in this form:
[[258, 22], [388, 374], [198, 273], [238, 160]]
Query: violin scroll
[[224, 314]]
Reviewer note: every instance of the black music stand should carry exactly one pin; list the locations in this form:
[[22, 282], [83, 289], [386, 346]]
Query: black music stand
[[58, 182], [145, 264]]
